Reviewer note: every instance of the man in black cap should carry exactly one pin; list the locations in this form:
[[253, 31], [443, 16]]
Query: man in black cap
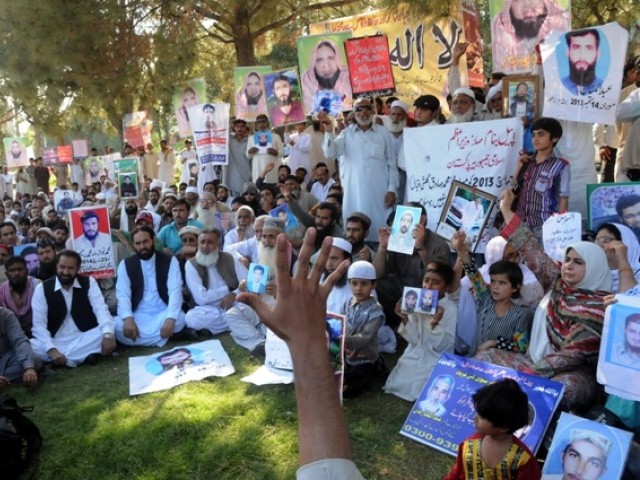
[[426, 110]]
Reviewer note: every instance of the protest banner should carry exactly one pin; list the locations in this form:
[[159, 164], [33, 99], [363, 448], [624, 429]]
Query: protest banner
[[516, 29], [251, 98], [192, 92], [80, 148], [284, 100], [560, 231], [65, 154], [91, 234], [586, 449], [583, 73], [136, 128], [420, 49], [475, 44], [187, 363], [618, 361], [49, 156], [210, 127], [15, 152], [324, 73], [482, 155], [109, 163], [370, 66], [443, 422]]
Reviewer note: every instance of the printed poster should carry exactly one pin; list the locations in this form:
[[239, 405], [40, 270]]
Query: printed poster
[[479, 154], [517, 27], [619, 358], [584, 449], [15, 149], [210, 126], [251, 98], [80, 148], [475, 64], [443, 414], [370, 66], [63, 201], [583, 73], [136, 127], [420, 49], [29, 251], [193, 92], [283, 212], [326, 86], [404, 222], [284, 99], [91, 234], [49, 156], [186, 363], [65, 154]]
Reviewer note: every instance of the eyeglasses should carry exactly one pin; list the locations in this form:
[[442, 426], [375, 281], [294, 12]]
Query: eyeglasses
[[364, 108]]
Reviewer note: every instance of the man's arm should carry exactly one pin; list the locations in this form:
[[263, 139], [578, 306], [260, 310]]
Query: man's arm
[[40, 310], [201, 295], [298, 317], [629, 109]]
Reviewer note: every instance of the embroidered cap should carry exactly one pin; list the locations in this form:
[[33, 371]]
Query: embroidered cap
[[363, 270]]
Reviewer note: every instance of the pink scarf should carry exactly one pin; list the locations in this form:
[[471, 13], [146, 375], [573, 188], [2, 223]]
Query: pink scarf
[[6, 300]]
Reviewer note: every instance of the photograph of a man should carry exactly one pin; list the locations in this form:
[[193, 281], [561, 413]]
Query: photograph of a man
[[15, 152], [128, 184], [325, 81], [404, 222], [627, 352], [584, 457], [437, 395], [257, 278], [410, 301], [91, 238], [251, 99], [628, 210], [522, 104], [177, 358], [583, 51], [284, 103]]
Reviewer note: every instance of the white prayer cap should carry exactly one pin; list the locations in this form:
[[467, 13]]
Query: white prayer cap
[[342, 244], [465, 91], [401, 104], [189, 229], [493, 91], [192, 189], [363, 270], [155, 184]]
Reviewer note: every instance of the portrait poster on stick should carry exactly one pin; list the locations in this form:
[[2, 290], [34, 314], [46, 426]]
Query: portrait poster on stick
[[586, 449], [137, 128], [186, 363], [583, 73], [210, 125], [370, 66], [326, 86], [284, 98], [251, 98], [443, 415], [192, 92], [15, 149], [619, 359], [91, 234], [466, 209]]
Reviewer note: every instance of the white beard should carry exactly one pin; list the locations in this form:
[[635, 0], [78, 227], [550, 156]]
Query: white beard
[[207, 217], [363, 123], [397, 127], [462, 118], [207, 259], [267, 256]]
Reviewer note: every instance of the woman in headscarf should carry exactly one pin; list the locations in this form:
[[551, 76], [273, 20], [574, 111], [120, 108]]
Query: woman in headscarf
[[531, 291], [250, 99], [608, 236], [567, 326]]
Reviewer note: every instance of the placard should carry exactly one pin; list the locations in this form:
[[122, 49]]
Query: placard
[[65, 154], [91, 234], [559, 231], [369, 66]]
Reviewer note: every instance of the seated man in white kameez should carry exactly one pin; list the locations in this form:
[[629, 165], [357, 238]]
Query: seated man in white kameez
[[149, 290], [246, 328], [211, 279], [71, 321], [244, 226], [246, 252]]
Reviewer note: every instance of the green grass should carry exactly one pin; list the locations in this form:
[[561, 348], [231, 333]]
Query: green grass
[[218, 428]]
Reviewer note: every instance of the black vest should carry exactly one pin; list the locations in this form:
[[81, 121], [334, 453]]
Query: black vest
[[134, 271], [81, 309]]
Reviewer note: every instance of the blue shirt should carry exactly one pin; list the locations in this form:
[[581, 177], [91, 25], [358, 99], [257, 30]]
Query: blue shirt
[[169, 235]]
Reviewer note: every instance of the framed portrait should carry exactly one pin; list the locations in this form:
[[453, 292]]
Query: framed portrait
[[128, 185], [91, 233], [466, 209], [417, 300], [257, 278], [15, 149], [614, 202], [521, 96]]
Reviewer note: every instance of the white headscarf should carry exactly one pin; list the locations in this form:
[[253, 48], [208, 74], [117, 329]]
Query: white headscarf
[[633, 253], [494, 252], [597, 275]]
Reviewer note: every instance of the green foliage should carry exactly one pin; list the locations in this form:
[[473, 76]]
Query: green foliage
[[218, 428]]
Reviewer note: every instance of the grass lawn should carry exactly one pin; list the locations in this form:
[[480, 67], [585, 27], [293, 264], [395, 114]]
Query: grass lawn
[[218, 428]]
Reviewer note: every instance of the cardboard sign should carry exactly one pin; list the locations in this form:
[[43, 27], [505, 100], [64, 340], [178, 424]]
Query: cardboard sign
[[369, 65]]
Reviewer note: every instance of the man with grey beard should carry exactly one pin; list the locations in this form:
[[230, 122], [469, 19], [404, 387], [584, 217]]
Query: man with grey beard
[[211, 279], [396, 125], [463, 106], [368, 163], [246, 328]]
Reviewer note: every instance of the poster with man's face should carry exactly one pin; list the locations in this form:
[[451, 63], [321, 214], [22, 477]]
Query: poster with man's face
[[16, 152], [284, 101], [250, 95], [91, 236]]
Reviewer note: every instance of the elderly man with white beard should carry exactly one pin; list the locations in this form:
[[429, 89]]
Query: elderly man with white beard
[[463, 106], [368, 164], [246, 328], [246, 252], [396, 122], [211, 279], [244, 226], [207, 207]]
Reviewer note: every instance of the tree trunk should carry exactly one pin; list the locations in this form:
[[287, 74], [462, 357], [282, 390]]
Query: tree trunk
[[245, 53]]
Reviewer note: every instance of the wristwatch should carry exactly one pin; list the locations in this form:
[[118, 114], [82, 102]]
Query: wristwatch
[[108, 335]]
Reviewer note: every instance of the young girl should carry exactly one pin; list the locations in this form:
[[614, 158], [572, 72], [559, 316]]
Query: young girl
[[364, 316], [428, 336], [494, 452], [501, 323]]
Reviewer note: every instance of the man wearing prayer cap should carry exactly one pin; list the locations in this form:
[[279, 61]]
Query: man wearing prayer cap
[[341, 292], [493, 105], [463, 106]]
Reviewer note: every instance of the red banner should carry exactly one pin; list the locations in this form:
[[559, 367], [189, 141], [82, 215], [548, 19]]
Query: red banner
[[369, 65], [65, 154]]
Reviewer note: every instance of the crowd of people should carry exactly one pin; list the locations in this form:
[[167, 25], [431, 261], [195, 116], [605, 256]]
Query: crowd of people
[[182, 272]]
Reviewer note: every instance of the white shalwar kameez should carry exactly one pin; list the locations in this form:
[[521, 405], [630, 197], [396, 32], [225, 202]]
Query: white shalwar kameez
[[207, 314], [152, 311], [423, 350], [74, 344], [368, 170], [246, 328]]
